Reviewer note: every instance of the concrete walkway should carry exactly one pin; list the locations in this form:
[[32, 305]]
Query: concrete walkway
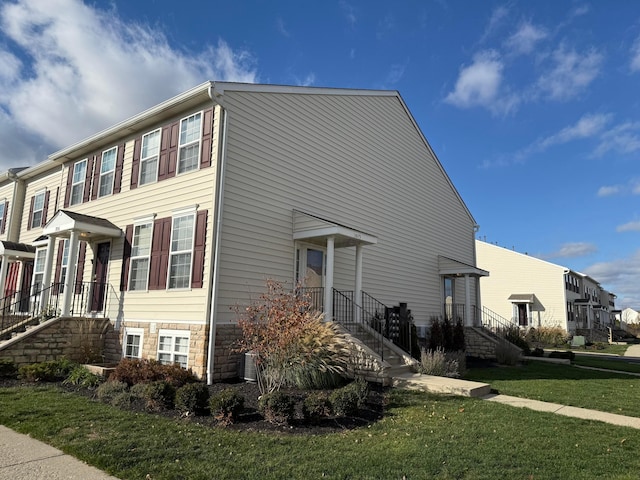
[[633, 351], [24, 458]]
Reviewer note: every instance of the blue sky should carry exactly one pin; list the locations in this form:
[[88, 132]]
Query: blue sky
[[532, 107]]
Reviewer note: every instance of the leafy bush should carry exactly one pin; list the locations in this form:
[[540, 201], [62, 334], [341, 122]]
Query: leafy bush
[[316, 406], [226, 405], [344, 401], [126, 400], [442, 364], [277, 407], [8, 369], [537, 352], [311, 379], [436, 337], [51, 371], [133, 370], [564, 354], [290, 339], [550, 336], [110, 389], [157, 396], [458, 340], [512, 335], [507, 355], [192, 398], [82, 377], [446, 336]]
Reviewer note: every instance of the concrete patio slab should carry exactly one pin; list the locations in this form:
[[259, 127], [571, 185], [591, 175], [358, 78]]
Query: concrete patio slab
[[441, 385]]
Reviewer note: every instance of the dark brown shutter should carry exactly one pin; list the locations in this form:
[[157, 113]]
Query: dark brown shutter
[[45, 209], [55, 205], [30, 213], [205, 149], [126, 258], [80, 270], [168, 151], [67, 192], [197, 274], [160, 254], [86, 192], [135, 164], [96, 177], [4, 217], [56, 276], [117, 176]]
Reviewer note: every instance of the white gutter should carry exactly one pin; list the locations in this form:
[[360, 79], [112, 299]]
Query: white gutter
[[217, 239]]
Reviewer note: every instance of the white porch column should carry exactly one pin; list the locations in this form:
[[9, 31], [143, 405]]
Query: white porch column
[[46, 275], [4, 268], [529, 319], [467, 301], [328, 281], [357, 288], [70, 280]]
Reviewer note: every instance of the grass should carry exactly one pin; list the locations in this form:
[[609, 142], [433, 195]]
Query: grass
[[423, 436], [565, 384], [609, 349], [599, 362]]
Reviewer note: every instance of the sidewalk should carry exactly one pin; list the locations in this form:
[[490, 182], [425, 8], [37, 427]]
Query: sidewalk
[[24, 458]]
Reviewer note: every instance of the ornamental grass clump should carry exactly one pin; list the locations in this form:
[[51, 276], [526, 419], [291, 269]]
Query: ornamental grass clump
[[292, 342], [442, 364]]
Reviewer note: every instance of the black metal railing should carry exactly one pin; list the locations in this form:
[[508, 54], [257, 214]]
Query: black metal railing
[[399, 327], [314, 295], [360, 322]]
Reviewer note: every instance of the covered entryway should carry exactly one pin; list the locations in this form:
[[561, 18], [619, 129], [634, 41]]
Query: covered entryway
[[16, 265], [522, 306], [449, 268]]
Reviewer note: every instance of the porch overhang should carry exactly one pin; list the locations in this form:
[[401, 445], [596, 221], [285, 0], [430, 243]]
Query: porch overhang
[[455, 268], [64, 222], [522, 298], [316, 230], [17, 251]]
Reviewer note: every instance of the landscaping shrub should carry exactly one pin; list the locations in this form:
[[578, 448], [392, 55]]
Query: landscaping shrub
[[226, 405], [549, 336], [277, 407], [458, 340], [446, 336], [157, 396], [108, 390], [316, 406], [436, 338], [507, 355], [51, 371], [192, 398], [564, 354], [311, 379], [512, 335], [82, 377], [133, 370], [290, 339], [8, 369], [344, 401], [442, 364], [126, 400], [537, 352]]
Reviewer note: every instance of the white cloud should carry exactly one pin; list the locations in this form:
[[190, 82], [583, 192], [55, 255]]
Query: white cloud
[[87, 69], [635, 188], [622, 139], [280, 26], [607, 191], [524, 40], [622, 277], [629, 227], [479, 85], [497, 19], [570, 74], [349, 12], [572, 250], [635, 56], [10, 67], [588, 126]]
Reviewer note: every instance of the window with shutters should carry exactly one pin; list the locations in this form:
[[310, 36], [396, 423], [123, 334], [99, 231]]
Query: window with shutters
[[173, 347], [107, 171], [149, 157], [77, 183], [189, 143], [38, 210], [140, 256], [181, 251]]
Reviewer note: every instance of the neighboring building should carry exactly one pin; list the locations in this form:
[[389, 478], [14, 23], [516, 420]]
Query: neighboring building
[[166, 221], [530, 292]]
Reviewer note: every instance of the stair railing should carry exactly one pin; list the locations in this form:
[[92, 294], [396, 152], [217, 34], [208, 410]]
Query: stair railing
[[359, 320]]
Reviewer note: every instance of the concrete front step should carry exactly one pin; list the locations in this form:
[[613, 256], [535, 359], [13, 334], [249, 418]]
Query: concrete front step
[[441, 385]]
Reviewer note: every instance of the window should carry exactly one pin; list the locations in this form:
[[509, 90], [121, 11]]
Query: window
[[77, 184], [149, 157], [140, 251], [180, 251], [3, 207], [189, 143], [38, 210], [38, 270], [173, 347], [107, 171], [63, 264], [133, 343]]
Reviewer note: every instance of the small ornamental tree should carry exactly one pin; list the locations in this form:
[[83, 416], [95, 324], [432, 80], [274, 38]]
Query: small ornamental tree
[[289, 338]]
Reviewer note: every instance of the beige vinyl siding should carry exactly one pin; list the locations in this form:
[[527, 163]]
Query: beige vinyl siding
[[353, 160], [515, 273], [50, 180]]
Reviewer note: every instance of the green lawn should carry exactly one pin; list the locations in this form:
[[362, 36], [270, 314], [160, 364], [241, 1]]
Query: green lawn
[[565, 384], [423, 436], [608, 349], [599, 362]]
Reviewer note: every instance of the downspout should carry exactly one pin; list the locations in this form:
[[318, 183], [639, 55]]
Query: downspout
[[213, 295]]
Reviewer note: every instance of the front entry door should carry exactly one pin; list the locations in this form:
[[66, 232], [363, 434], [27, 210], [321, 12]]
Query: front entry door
[[25, 289], [522, 315], [100, 276]]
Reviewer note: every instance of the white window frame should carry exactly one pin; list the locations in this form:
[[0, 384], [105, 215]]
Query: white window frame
[[302, 249], [134, 258], [43, 195], [175, 253], [77, 184], [171, 351], [184, 144], [134, 332], [104, 174], [64, 265], [145, 160], [36, 272], [3, 207]]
